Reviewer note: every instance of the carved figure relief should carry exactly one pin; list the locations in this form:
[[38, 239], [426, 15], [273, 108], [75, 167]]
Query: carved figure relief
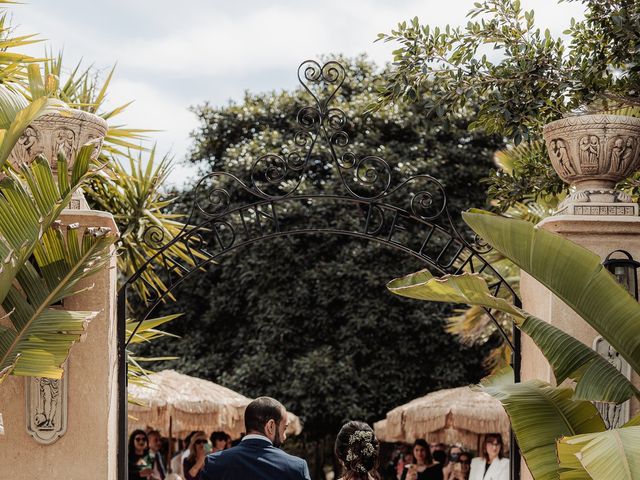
[[97, 142], [628, 152], [559, 149], [65, 140], [622, 152], [589, 154], [26, 145], [48, 399], [616, 154], [46, 408], [614, 416]]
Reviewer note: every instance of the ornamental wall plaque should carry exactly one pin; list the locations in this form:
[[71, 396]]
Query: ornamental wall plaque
[[614, 416], [46, 407]]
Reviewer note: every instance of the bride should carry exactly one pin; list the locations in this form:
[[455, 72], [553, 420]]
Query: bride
[[357, 449]]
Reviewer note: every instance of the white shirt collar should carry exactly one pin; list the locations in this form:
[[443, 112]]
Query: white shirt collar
[[256, 436]]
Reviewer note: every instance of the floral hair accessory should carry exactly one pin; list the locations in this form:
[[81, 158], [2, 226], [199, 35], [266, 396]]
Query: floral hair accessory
[[360, 436], [360, 445]]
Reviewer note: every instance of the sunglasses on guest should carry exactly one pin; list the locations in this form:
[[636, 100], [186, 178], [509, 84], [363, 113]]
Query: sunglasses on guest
[[140, 439], [200, 442]]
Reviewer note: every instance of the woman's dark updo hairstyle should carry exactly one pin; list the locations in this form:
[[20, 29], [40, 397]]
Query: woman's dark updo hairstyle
[[357, 448]]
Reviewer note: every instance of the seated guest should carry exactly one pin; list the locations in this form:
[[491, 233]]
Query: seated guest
[[423, 468], [405, 459], [218, 441], [439, 454], [139, 460], [453, 469], [177, 461], [194, 462], [157, 464], [492, 465]]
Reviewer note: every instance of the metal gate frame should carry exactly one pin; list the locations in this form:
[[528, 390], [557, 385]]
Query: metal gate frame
[[229, 213]]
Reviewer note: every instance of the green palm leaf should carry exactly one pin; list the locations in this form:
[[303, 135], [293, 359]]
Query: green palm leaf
[[39, 339], [601, 456], [596, 378], [540, 415], [30, 202], [570, 271]]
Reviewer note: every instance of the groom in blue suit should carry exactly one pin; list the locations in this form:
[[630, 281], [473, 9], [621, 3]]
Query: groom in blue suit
[[258, 456]]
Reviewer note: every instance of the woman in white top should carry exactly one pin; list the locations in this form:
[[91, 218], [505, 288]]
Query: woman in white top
[[492, 465]]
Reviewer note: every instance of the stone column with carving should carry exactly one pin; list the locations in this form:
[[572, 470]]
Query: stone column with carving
[[67, 429], [592, 153]]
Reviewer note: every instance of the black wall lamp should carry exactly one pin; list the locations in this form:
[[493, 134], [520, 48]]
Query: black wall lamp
[[624, 269]]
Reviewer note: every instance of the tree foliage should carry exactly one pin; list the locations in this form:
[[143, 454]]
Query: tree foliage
[[525, 76]]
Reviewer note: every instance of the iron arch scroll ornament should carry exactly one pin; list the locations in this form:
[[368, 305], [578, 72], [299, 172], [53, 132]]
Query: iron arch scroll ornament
[[229, 213]]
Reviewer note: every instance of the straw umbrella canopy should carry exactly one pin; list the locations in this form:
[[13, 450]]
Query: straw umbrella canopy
[[178, 402], [448, 416]]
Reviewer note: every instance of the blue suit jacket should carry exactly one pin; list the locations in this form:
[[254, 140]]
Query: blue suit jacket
[[254, 459]]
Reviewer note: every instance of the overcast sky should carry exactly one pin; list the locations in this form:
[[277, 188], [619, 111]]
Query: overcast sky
[[172, 55]]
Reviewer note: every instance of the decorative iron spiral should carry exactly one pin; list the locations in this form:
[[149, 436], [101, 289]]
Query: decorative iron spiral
[[480, 245], [429, 205], [270, 176], [155, 237], [372, 174]]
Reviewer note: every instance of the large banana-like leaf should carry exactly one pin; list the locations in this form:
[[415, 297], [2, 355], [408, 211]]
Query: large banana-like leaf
[[596, 378], [570, 271], [540, 415], [601, 456], [40, 336]]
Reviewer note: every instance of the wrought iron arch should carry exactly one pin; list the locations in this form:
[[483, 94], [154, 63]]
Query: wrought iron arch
[[229, 213]]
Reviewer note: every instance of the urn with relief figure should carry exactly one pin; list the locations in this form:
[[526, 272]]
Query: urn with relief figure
[[593, 153], [65, 130]]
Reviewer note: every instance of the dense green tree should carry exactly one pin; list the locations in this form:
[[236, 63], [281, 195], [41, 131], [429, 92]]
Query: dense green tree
[[290, 317], [524, 75]]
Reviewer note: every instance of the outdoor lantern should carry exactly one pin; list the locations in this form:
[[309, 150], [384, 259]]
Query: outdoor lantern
[[625, 270]]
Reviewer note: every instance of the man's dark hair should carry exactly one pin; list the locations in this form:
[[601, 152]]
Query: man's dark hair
[[260, 411]]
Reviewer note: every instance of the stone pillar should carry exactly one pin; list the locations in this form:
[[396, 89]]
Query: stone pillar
[[88, 447], [600, 234]]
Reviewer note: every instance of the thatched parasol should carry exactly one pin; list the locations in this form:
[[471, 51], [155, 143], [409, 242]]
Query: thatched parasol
[[448, 416], [178, 402]]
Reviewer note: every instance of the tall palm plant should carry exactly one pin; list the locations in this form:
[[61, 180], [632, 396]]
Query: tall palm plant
[[133, 196]]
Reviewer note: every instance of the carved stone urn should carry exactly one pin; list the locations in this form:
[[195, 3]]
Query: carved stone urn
[[63, 129], [592, 153]]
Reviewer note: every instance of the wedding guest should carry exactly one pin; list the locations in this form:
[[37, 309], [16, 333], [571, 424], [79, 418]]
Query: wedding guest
[[357, 449], [405, 459], [157, 463], [492, 465], [439, 454], [423, 468], [177, 461], [194, 462], [453, 469], [139, 460], [218, 441], [465, 467]]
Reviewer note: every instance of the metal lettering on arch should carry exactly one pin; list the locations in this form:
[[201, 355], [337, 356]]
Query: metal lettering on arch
[[229, 213]]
